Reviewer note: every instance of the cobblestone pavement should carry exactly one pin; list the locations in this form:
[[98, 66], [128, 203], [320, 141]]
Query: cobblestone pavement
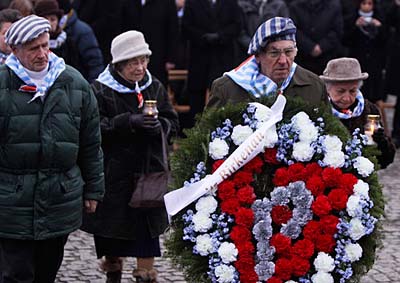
[[80, 263]]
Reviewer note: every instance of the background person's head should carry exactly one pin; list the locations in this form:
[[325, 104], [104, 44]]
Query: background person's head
[[130, 55], [50, 10], [343, 78], [274, 47], [29, 42], [7, 18], [24, 6]]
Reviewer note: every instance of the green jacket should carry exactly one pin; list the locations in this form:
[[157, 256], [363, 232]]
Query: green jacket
[[50, 156], [304, 84]]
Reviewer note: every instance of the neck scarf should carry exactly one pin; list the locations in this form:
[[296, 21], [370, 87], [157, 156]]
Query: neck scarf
[[249, 77], [59, 41], [3, 57], [56, 67], [347, 113]]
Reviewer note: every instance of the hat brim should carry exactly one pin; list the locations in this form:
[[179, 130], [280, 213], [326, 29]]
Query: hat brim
[[362, 77], [130, 56]]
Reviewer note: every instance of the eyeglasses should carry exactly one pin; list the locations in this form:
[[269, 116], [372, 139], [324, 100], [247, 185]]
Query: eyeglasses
[[276, 53], [135, 62]]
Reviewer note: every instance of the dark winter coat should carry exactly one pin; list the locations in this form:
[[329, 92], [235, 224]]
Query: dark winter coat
[[318, 22], [50, 157], [91, 59], [386, 146], [304, 84], [158, 21], [392, 85], [126, 152]]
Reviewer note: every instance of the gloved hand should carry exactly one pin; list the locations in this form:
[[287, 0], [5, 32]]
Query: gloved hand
[[379, 136], [148, 124], [211, 38]]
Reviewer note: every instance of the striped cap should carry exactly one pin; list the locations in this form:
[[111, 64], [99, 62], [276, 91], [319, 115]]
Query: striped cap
[[274, 29], [26, 29]]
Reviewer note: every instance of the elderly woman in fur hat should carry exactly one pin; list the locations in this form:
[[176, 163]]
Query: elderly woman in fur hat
[[343, 79]]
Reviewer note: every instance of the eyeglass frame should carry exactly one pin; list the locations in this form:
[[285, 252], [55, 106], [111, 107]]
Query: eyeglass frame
[[277, 53], [135, 62]]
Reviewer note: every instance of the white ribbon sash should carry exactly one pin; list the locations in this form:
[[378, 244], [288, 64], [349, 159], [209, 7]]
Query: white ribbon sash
[[176, 200]]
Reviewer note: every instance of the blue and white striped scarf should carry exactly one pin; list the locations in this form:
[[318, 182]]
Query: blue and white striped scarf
[[3, 58], [107, 79], [249, 77], [357, 111], [56, 67]]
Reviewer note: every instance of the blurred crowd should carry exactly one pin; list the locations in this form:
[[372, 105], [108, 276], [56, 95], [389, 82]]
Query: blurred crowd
[[210, 37]]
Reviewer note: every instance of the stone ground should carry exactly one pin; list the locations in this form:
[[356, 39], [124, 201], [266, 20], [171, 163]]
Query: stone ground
[[80, 263]]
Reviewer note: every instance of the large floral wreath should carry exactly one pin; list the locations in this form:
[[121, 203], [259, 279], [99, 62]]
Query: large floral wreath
[[304, 210]]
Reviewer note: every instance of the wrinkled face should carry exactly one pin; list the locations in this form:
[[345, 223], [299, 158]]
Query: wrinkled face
[[367, 6], [34, 55], [53, 19], [277, 59], [343, 94], [3, 46], [134, 69]]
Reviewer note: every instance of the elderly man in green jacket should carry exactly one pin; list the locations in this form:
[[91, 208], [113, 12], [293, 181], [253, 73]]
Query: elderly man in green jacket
[[269, 70], [51, 163]]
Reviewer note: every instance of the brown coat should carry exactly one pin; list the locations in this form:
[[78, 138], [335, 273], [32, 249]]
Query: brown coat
[[304, 84]]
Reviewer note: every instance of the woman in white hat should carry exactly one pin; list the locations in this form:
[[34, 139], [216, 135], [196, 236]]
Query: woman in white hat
[[132, 144], [343, 79]]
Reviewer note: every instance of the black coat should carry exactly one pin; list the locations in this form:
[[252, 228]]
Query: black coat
[[126, 153], [392, 85], [158, 21]]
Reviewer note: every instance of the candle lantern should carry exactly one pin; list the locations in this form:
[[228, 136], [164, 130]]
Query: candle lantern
[[150, 108], [372, 125]]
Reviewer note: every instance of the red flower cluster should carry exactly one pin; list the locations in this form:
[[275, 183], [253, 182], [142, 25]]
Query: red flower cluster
[[281, 214]]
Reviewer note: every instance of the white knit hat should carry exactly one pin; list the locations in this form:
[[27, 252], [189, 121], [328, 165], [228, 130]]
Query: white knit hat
[[128, 45]]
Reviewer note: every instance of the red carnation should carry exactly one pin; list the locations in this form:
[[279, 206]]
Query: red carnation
[[281, 177], [303, 248], [240, 234], [311, 230], [329, 224], [338, 199], [281, 214], [274, 279], [245, 249], [283, 268], [315, 185], [313, 169], [244, 216], [226, 190], [347, 183], [270, 155], [297, 172], [281, 243], [325, 243], [254, 166], [331, 176], [230, 206], [242, 178], [246, 195], [216, 164], [300, 266], [321, 206], [248, 276]]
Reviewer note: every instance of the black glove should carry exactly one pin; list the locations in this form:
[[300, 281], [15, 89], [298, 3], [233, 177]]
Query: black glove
[[211, 38], [379, 136], [149, 124]]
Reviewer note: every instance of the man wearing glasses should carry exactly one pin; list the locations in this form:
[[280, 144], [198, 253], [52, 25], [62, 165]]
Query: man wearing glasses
[[269, 70]]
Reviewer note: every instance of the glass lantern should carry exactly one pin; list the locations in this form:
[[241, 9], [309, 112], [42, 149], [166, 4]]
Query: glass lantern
[[372, 124], [150, 108]]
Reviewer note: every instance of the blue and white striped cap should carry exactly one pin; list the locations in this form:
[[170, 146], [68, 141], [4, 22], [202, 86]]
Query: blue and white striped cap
[[26, 29], [274, 29]]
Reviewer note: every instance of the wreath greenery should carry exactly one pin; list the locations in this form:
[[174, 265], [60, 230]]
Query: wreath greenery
[[194, 149]]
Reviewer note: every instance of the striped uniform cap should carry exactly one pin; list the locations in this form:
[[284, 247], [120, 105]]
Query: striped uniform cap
[[274, 29], [26, 29]]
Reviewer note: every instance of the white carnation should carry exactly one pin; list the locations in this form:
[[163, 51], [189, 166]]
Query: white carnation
[[353, 204], [224, 273], [207, 204], [300, 119], [308, 133], [362, 189], [271, 137], [262, 114], [202, 222], [228, 252], [302, 151], [364, 166], [353, 252], [218, 149], [324, 262], [204, 244], [291, 281], [334, 159], [332, 143], [357, 229], [322, 277], [240, 134]]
